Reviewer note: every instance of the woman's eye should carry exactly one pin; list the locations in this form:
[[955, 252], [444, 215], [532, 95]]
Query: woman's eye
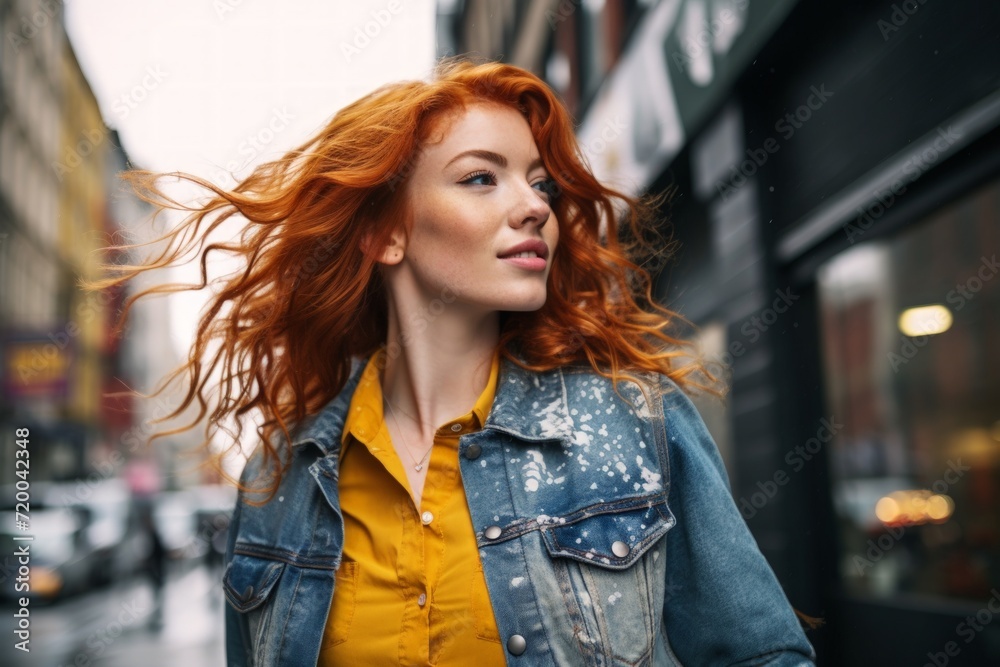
[[480, 175], [549, 187]]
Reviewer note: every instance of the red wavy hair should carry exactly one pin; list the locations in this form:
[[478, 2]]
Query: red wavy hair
[[309, 298]]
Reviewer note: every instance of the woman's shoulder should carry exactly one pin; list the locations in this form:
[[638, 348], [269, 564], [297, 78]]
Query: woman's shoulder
[[651, 385], [653, 396]]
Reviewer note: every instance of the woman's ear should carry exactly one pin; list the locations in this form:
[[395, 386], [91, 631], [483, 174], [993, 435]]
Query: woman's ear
[[391, 254]]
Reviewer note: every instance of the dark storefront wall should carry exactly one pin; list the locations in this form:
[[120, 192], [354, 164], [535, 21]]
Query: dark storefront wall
[[909, 325], [896, 116], [881, 196]]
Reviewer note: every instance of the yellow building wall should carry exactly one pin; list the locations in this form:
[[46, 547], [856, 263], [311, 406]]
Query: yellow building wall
[[82, 210]]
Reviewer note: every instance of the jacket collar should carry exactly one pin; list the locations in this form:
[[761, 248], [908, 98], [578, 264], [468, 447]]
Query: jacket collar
[[531, 406]]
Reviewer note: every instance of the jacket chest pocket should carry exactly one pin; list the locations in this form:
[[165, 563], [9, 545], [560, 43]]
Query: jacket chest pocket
[[249, 582], [612, 570]]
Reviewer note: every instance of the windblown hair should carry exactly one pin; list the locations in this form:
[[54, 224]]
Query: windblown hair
[[311, 296]]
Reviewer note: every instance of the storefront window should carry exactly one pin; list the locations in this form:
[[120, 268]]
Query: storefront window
[[911, 352]]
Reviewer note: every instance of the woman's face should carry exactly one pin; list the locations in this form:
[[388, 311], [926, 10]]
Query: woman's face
[[475, 195]]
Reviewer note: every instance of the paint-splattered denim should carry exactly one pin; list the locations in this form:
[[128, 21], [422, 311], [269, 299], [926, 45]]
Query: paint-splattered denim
[[607, 534]]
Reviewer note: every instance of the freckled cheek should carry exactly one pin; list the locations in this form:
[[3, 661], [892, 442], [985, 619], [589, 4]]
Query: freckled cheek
[[456, 235], [444, 218]]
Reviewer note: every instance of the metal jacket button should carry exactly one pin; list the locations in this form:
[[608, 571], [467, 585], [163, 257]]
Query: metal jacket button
[[248, 593], [472, 452], [493, 532], [516, 644], [620, 549]]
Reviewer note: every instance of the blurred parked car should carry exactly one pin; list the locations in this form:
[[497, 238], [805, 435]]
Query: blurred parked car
[[61, 561], [87, 533], [82, 536]]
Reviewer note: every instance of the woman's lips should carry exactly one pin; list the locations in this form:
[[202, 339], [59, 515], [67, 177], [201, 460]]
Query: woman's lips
[[529, 263]]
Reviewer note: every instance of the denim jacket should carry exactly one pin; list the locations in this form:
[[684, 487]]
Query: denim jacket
[[607, 533]]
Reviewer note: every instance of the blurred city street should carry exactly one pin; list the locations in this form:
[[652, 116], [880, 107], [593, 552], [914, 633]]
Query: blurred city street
[[822, 196], [115, 626]]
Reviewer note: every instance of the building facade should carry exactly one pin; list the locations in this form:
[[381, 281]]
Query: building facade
[[41, 388], [58, 205], [838, 207]]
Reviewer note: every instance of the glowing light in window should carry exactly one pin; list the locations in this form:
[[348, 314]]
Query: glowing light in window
[[925, 320], [914, 507]]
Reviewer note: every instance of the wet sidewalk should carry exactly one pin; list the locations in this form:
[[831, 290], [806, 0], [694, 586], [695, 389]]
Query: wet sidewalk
[[116, 626]]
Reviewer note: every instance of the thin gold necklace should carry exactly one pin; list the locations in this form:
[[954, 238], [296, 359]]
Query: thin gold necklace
[[417, 465]]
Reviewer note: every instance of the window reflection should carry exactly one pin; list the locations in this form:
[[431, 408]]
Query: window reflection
[[911, 351]]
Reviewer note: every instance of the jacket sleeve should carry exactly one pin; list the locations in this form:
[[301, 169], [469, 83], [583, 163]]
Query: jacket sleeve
[[723, 603], [237, 630]]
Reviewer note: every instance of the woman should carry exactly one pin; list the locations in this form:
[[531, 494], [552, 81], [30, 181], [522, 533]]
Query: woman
[[475, 448]]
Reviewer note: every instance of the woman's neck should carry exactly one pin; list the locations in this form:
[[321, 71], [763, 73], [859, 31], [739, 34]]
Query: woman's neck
[[435, 369]]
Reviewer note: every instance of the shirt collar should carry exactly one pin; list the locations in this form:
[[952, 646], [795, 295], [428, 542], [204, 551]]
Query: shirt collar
[[364, 416], [529, 405]]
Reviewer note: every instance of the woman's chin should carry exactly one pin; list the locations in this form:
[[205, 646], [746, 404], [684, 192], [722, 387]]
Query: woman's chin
[[523, 305]]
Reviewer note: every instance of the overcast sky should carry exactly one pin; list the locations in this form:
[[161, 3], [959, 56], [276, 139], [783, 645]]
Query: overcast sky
[[206, 86]]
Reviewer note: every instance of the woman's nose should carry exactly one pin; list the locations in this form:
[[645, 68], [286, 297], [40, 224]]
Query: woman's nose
[[533, 209]]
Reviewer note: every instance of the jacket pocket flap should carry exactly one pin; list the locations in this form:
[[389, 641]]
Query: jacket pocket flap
[[613, 539], [248, 580]]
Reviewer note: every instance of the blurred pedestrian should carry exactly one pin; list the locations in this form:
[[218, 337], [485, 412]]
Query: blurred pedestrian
[[154, 563]]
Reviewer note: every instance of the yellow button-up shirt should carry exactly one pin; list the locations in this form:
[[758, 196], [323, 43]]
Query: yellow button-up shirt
[[410, 589]]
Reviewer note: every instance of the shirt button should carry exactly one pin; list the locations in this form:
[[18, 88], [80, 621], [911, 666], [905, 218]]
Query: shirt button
[[426, 517], [456, 427], [422, 599], [516, 644]]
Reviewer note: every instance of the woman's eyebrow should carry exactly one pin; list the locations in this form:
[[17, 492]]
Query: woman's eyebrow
[[491, 156]]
